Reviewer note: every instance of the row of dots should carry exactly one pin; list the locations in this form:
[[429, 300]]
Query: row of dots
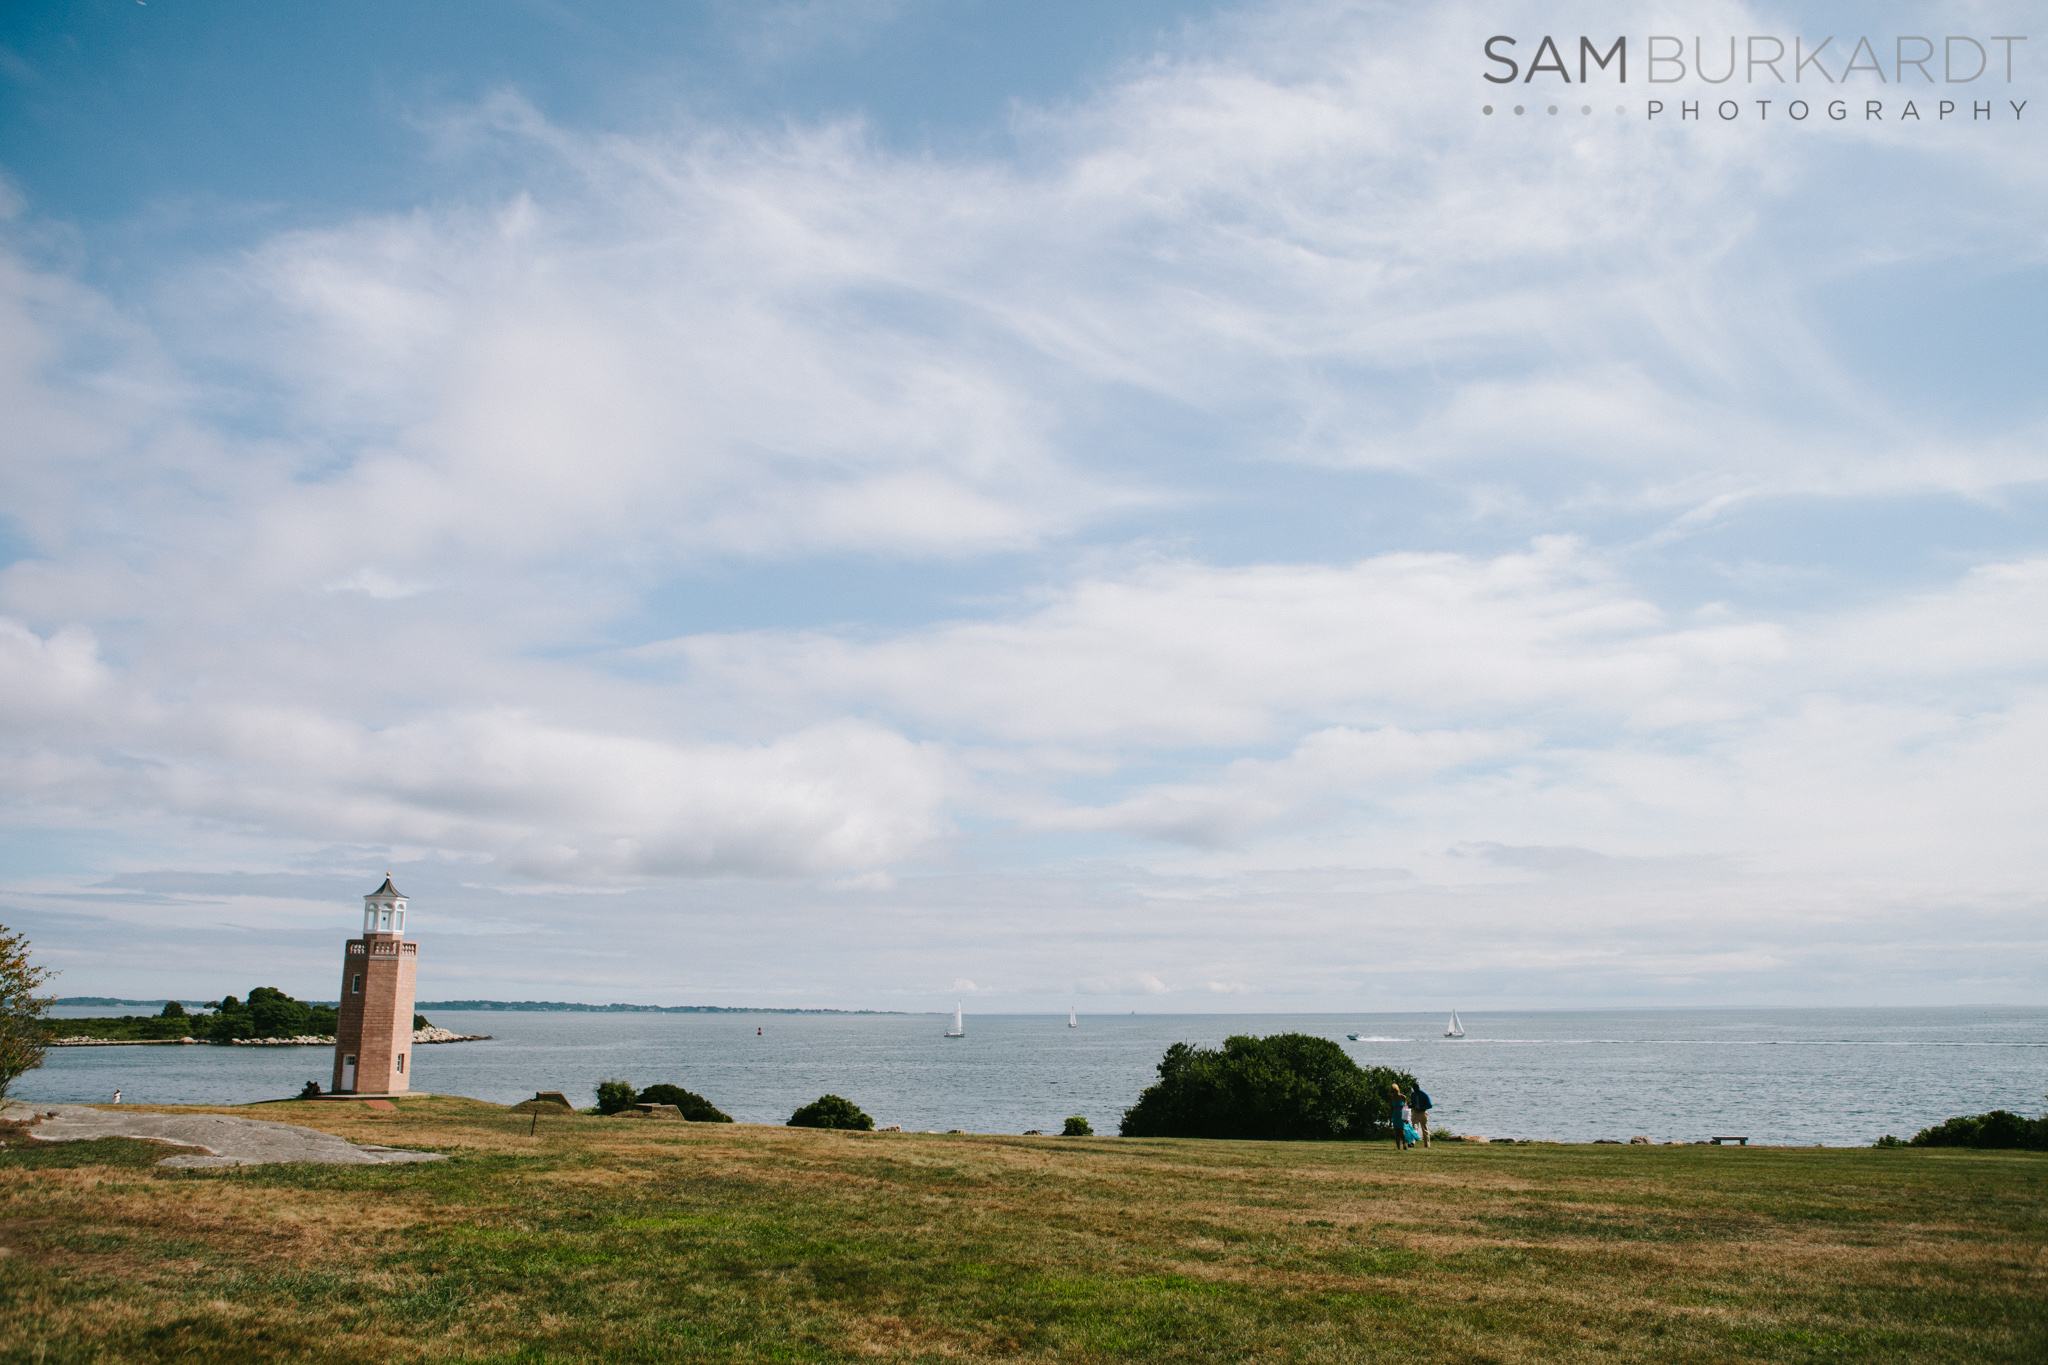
[[1584, 109]]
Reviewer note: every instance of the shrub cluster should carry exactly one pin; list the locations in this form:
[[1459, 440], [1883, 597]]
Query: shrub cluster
[[830, 1111], [1997, 1129], [1290, 1086], [617, 1096], [693, 1106]]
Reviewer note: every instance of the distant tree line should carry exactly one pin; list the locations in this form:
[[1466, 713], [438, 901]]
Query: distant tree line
[[267, 1013]]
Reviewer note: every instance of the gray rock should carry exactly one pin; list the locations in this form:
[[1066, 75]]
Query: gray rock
[[219, 1139]]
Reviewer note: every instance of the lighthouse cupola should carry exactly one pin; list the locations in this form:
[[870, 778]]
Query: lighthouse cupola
[[384, 910]]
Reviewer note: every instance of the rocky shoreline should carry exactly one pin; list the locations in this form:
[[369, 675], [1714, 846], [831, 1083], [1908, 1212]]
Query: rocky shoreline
[[120, 1042]]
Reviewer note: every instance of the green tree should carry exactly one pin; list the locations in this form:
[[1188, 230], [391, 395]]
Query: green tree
[[230, 1021], [1287, 1087], [614, 1096], [172, 1010], [830, 1111], [692, 1105], [1077, 1127], [268, 1013], [273, 1014], [23, 1032]]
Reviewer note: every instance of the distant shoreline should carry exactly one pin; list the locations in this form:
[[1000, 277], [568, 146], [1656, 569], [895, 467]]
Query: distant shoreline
[[569, 1007], [536, 1006]]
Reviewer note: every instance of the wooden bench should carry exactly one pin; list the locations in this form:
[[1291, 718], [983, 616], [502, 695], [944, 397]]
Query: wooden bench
[[1743, 1141]]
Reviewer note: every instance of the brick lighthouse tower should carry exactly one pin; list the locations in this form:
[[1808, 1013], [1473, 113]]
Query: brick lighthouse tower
[[374, 1040]]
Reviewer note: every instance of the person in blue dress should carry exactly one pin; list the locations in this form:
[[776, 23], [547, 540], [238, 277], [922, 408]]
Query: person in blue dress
[[1397, 1107]]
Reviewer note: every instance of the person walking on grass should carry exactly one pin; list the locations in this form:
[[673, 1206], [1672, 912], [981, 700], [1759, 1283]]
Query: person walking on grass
[[1397, 1105], [1418, 1102]]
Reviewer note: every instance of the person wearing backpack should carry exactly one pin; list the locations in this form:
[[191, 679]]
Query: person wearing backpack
[[1418, 1103]]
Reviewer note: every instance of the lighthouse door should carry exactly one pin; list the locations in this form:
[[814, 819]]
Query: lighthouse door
[[348, 1073]]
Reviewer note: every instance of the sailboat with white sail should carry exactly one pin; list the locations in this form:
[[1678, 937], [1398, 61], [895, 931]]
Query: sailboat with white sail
[[959, 1029], [1454, 1029], [1072, 1022]]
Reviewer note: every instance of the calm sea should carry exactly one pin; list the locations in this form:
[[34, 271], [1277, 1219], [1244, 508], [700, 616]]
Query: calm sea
[[1777, 1076]]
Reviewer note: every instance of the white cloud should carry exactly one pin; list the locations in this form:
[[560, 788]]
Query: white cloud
[[1128, 983], [372, 581], [552, 802], [361, 534], [1187, 654]]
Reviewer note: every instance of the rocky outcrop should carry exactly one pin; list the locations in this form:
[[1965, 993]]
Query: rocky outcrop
[[442, 1035]]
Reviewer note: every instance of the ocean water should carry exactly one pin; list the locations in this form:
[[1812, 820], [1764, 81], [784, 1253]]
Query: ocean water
[[1831, 1076]]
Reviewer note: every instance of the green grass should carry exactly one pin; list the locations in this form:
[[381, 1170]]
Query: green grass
[[629, 1240]]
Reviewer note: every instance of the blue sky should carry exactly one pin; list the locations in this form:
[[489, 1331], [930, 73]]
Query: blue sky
[[1157, 506]]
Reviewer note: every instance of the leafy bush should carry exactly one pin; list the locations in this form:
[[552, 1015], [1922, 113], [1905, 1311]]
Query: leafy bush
[[1997, 1129], [419, 1021], [172, 1010], [830, 1111], [1077, 1127], [615, 1096], [1289, 1086], [693, 1106]]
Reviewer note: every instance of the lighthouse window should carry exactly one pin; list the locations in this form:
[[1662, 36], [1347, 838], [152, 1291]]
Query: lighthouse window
[[355, 985], [401, 1063]]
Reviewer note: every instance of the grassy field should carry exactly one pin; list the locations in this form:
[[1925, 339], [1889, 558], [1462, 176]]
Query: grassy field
[[633, 1239]]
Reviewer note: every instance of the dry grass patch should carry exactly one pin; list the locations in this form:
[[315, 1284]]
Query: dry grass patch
[[614, 1239]]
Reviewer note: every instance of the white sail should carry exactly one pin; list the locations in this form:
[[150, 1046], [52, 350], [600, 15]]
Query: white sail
[[1072, 1022], [959, 1029], [1454, 1029]]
